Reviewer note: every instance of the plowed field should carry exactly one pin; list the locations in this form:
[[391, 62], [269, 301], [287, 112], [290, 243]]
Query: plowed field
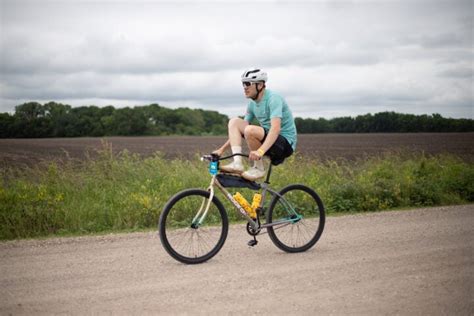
[[325, 146]]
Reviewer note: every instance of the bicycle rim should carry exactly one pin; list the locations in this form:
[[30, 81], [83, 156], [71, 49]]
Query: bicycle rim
[[302, 222], [184, 236]]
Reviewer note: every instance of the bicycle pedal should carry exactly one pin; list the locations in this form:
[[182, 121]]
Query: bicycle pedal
[[252, 243]]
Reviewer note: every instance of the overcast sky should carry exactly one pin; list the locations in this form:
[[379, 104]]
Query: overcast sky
[[327, 58]]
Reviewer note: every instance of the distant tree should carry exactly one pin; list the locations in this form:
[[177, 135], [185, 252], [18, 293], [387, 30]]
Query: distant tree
[[127, 121], [7, 123], [214, 122], [85, 121], [31, 121], [59, 117], [29, 111], [343, 124]]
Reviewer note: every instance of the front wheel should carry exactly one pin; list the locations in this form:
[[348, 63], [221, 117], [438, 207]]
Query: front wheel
[[298, 216], [187, 232]]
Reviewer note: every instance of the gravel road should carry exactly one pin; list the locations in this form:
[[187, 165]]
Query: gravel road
[[400, 262]]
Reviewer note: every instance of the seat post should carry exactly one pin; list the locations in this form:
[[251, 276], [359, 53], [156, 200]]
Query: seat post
[[267, 180]]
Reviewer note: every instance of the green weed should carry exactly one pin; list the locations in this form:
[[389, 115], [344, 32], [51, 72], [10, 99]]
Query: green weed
[[124, 192]]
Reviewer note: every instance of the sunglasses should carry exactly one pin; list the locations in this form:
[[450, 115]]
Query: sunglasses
[[248, 84]]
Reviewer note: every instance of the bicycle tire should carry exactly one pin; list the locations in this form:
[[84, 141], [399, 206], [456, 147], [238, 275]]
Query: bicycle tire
[[175, 227], [305, 201]]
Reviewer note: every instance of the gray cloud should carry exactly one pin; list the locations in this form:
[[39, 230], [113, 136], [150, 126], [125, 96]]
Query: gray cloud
[[466, 72], [328, 59]]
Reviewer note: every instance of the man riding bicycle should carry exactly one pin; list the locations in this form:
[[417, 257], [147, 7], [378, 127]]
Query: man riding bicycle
[[276, 135]]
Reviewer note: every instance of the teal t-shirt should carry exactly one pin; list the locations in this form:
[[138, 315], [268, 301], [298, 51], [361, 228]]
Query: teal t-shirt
[[273, 105]]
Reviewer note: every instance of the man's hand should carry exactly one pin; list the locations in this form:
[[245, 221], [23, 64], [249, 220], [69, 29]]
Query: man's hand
[[218, 152], [255, 155]]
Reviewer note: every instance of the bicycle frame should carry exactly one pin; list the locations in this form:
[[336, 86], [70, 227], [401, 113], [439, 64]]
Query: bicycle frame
[[255, 224]]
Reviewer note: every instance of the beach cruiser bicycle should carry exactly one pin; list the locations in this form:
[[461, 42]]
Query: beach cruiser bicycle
[[193, 225]]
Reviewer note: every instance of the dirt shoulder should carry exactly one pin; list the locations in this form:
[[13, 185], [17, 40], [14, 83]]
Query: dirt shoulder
[[402, 262]]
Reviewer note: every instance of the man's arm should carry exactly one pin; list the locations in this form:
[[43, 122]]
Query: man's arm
[[273, 133], [222, 149]]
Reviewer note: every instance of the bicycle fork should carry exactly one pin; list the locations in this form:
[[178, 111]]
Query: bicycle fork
[[202, 213]]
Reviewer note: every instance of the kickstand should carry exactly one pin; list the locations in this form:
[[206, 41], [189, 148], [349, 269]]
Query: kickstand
[[253, 242]]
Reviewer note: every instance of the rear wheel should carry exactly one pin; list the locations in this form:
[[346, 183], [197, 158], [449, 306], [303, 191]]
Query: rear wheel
[[302, 218], [184, 236]]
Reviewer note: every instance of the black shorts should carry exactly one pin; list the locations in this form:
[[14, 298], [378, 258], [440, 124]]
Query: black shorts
[[279, 151]]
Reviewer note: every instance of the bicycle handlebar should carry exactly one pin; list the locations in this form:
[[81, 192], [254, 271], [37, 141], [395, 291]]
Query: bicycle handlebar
[[214, 157]]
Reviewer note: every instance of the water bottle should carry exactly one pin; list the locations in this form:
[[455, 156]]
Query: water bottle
[[257, 197], [245, 205], [213, 168]]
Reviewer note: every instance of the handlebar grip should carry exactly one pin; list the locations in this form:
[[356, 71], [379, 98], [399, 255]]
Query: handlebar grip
[[206, 157]]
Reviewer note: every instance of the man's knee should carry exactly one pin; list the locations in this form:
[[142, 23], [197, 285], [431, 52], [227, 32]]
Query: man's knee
[[235, 122], [252, 131]]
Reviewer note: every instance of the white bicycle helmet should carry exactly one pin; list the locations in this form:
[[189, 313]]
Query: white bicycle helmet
[[254, 75]]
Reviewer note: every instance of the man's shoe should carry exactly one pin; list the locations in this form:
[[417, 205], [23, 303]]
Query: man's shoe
[[253, 174], [233, 167]]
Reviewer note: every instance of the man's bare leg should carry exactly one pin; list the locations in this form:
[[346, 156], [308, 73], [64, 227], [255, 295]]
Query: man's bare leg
[[236, 128], [253, 135]]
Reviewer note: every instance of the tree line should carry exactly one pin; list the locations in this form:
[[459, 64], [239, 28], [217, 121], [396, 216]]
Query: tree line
[[385, 122], [53, 119], [32, 120]]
